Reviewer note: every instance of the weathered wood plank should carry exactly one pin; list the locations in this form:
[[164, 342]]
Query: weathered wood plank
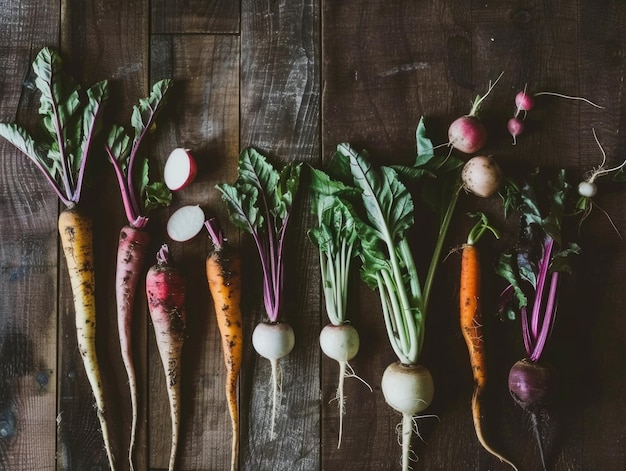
[[384, 67], [280, 99], [104, 40], [215, 16], [203, 116], [28, 254], [599, 383]]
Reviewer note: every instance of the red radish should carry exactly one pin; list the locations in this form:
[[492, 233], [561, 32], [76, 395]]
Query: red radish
[[482, 176], [467, 133], [165, 290], [523, 102], [515, 127], [180, 169], [185, 223]]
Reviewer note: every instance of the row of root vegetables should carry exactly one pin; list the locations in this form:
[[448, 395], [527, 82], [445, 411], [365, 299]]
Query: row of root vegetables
[[363, 213]]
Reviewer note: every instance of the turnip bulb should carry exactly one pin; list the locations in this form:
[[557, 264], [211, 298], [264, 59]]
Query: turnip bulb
[[482, 176]]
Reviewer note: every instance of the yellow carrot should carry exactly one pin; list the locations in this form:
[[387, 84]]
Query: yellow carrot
[[76, 232]]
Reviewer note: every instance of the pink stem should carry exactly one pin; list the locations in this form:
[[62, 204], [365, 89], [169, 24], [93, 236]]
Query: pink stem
[[541, 281], [548, 320]]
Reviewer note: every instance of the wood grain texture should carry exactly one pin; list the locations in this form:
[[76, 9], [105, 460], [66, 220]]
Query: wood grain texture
[[293, 79], [28, 256], [180, 17], [280, 99]]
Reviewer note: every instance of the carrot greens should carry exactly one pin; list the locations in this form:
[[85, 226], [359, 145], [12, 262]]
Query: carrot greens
[[70, 123], [139, 195]]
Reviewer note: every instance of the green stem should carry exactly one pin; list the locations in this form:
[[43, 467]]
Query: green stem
[[434, 262], [389, 321]]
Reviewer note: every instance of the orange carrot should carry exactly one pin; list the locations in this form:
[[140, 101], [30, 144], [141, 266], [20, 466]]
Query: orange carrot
[[76, 233], [471, 326], [224, 278]]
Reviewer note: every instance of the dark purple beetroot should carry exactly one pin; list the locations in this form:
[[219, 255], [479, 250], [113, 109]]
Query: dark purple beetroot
[[531, 384]]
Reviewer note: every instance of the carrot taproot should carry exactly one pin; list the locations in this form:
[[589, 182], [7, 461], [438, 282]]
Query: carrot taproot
[[224, 278], [165, 290], [472, 327], [76, 234], [131, 254]]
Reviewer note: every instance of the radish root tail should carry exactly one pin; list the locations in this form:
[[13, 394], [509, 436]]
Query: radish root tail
[[276, 392], [537, 432]]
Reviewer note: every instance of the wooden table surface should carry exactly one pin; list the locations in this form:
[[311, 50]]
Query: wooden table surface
[[293, 79]]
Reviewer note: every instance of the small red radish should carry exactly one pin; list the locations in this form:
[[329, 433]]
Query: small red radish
[[515, 127], [482, 176], [523, 102], [180, 169], [467, 133], [185, 223], [165, 292]]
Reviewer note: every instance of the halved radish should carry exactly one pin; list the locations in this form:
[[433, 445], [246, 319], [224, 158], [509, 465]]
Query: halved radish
[[185, 223], [180, 169]]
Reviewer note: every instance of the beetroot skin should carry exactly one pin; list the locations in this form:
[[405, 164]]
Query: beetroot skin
[[531, 384]]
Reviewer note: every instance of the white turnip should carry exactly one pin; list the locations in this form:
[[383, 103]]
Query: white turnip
[[482, 176], [273, 341], [408, 389]]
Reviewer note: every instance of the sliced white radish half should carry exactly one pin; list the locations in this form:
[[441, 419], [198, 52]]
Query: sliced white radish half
[[185, 223], [180, 169]]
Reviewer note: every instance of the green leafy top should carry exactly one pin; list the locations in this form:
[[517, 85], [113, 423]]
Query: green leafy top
[[70, 123], [140, 196], [541, 224], [260, 203], [336, 237], [383, 218]]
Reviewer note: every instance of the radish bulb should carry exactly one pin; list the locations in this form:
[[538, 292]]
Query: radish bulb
[[482, 176], [515, 127], [467, 134], [180, 169], [185, 223]]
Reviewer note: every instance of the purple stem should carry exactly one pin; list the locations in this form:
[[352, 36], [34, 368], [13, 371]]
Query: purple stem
[[131, 163], [215, 233], [53, 183], [541, 282], [67, 174], [133, 217], [548, 320], [83, 163], [526, 332]]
